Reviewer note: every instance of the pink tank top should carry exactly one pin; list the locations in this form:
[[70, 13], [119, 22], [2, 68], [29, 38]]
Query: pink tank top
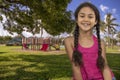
[[89, 70]]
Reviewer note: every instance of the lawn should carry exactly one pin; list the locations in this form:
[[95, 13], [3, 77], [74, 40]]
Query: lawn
[[17, 64]]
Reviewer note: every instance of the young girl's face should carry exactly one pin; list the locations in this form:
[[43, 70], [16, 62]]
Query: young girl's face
[[86, 19]]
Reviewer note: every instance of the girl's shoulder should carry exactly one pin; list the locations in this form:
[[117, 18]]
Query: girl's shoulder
[[69, 39]]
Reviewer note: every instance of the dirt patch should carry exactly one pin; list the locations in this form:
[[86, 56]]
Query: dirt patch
[[38, 51]]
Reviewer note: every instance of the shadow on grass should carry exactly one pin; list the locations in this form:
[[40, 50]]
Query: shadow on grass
[[44, 67], [2, 52], [36, 67]]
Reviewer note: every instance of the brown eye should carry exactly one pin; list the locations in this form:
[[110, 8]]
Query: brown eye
[[90, 16], [81, 16]]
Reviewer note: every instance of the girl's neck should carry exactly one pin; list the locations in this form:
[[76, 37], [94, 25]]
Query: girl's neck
[[86, 39], [84, 35]]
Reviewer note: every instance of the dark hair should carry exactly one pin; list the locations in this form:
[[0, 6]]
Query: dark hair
[[77, 56]]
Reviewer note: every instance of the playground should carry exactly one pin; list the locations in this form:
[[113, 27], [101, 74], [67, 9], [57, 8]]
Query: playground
[[41, 44]]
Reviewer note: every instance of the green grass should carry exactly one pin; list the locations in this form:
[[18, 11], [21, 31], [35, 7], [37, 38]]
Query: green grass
[[113, 57], [17, 64]]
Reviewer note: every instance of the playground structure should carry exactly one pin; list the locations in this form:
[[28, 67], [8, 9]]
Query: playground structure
[[43, 44]]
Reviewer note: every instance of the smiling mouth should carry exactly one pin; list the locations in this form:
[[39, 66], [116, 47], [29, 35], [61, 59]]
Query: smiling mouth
[[85, 24]]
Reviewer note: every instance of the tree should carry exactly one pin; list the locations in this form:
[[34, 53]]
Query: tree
[[110, 26], [103, 27], [118, 38], [54, 17]]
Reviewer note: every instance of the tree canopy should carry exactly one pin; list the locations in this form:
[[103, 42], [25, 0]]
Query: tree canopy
[[34, 15]]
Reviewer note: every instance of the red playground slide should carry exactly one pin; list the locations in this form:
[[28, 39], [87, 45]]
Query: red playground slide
[[25, 46], [44, 47]]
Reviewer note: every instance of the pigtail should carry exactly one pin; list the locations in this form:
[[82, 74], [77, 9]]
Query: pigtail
[[77, 56], [100, 60]]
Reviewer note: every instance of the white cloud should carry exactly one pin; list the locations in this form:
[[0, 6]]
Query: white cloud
[[105, 18], [107, 9], [102, 35], [3, 32], [4, 18], [65, 34], [45, 34], [103, 8], [114, 10], [28, 34]]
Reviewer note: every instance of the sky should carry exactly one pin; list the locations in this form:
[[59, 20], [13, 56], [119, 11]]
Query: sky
[[104, 7]]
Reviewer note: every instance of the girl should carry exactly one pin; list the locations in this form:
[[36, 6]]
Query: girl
[[86, 51]]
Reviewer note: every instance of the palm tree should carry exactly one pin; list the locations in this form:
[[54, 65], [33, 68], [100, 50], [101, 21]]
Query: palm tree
[[110, 26], [102, 27], [118, 38]]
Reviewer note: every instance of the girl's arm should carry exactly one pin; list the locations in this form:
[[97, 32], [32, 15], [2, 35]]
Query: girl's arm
[[69, 49], [106, 72], [76, 72]]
